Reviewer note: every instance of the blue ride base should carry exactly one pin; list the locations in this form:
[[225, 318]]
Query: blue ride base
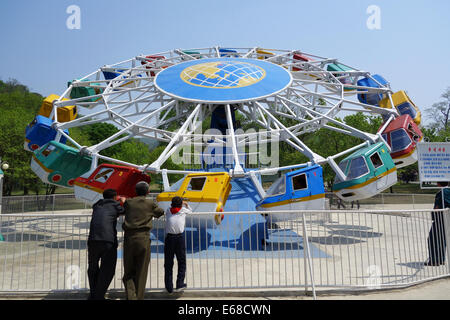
[[239, 235]]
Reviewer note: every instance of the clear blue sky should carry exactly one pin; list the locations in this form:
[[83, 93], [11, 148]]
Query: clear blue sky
[[411, 50]]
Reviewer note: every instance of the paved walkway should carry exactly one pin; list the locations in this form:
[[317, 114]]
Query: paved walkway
[[348, 246], [433, 290]]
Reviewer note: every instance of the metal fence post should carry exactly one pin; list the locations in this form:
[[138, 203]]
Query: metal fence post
[[308, 254], [305, 253], [1, 191], [447, 235]]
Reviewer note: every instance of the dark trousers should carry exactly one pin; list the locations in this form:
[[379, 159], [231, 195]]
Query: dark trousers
[[136, 258], [437, 240], [174, 245], [101, 276]]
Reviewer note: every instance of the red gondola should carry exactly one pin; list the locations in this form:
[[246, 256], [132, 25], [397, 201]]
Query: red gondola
[[156, 63], [402, 135], [301, 75], [108, 176], [300, 57]]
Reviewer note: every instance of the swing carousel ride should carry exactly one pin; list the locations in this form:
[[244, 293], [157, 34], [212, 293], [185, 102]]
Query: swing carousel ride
[[285, 93]]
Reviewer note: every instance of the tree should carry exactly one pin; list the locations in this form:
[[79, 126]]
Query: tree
[[18, 107], [98, 132], [440, 112], [433, 134]]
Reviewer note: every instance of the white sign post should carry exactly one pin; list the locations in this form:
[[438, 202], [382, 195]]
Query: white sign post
[[434, 161], [434, 166]]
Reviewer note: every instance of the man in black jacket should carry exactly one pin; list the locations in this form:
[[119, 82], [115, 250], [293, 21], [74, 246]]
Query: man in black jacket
[[102, 244]]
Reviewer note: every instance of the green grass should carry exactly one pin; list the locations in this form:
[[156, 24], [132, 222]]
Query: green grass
[[58, 190], [410, 188]]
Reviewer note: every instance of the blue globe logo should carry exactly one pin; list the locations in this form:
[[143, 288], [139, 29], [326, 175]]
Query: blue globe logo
[[223, 74]]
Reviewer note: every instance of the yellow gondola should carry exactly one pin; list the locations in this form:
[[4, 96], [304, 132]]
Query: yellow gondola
[[205, 192], [65, 114], [264, 54], [403, 104]]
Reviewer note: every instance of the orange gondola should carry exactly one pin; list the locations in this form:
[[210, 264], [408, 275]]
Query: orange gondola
[[123, 179]]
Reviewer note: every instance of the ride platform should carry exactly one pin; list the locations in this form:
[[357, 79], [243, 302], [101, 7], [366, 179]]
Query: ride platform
[[239, 235]]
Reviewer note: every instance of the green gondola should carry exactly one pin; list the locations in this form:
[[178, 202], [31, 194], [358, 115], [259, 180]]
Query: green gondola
[[58, 164], [194, 54], [368, 172], [334, 67], [85, 91]]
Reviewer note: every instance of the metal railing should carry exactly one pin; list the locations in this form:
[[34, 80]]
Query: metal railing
[[348, 249], [41, 203], [45, 203], [65, 202], [384, 200]]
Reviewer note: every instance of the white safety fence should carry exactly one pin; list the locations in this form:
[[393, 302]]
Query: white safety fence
[[343, 249], [45, 203], [56, 203]]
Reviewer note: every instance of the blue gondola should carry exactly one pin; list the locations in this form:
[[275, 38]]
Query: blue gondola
[[300, 189], [110, 75], [376, 81], [228, 53], [39, 132]]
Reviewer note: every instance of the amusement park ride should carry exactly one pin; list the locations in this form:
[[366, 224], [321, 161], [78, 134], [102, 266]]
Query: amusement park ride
[[285, 93]]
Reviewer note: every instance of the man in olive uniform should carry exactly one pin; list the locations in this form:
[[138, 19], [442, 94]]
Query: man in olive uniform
[[139, 213]]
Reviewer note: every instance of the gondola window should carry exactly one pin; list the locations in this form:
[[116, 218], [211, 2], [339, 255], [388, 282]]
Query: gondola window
[[196, 184], [299, 182], [376, 160]]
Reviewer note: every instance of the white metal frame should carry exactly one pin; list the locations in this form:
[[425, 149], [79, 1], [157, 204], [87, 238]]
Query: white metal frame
[[133, 102]]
